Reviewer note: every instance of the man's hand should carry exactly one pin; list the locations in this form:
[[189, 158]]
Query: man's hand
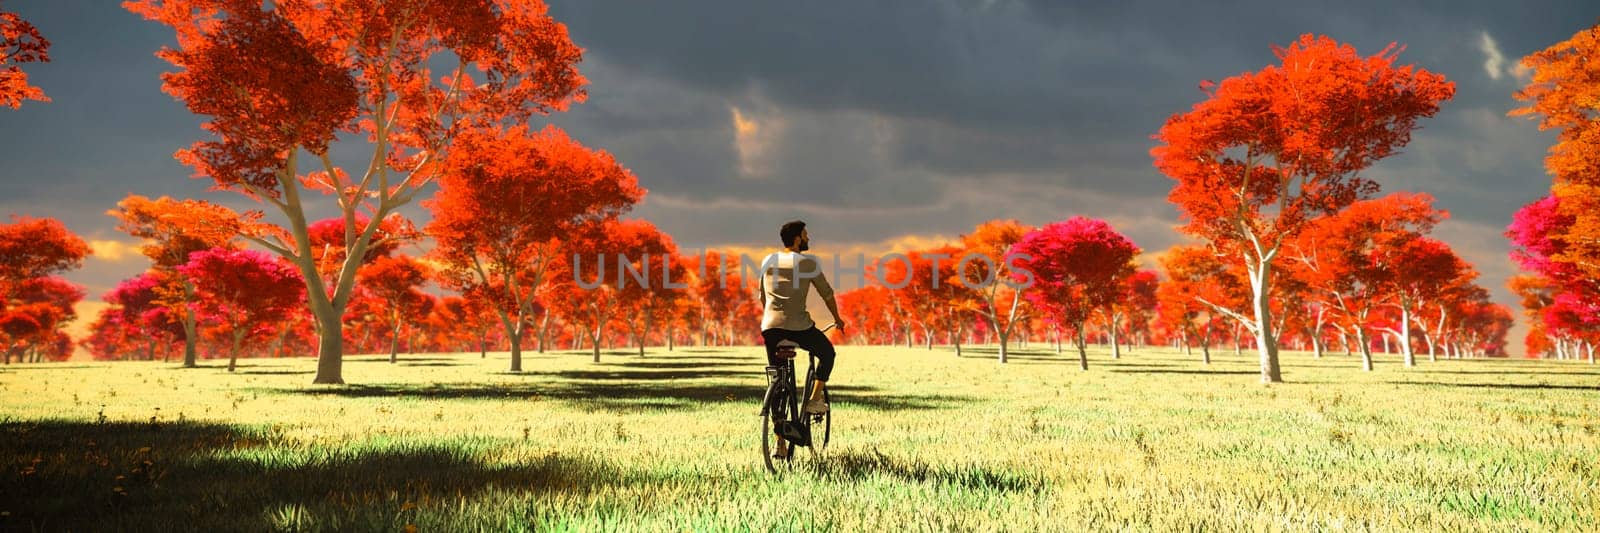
[[838, 324]]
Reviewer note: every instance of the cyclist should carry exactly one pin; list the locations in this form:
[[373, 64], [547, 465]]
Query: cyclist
[[786, 279]]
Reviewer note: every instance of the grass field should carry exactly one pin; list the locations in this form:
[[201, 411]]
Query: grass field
[[922, 441]]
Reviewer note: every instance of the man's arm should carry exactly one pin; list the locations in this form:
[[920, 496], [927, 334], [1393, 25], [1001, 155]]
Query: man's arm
[[826, 291], [761, 289]]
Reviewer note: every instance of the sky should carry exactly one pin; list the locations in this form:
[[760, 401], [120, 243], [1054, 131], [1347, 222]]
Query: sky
[[885, 125]]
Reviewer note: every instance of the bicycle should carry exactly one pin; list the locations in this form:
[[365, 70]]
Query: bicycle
[[780, 409]]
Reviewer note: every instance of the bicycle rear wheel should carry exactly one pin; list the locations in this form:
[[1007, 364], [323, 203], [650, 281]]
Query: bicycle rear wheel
[[773, 410]]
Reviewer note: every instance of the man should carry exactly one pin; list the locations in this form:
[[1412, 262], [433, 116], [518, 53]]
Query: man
[[786, 278]]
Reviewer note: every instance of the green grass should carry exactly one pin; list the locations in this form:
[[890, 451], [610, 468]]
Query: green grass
[[922, 441]]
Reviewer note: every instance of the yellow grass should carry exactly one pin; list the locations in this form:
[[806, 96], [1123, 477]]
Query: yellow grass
[[921, 440]]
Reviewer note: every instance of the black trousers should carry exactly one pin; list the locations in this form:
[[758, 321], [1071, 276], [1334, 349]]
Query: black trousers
[[811, 340]]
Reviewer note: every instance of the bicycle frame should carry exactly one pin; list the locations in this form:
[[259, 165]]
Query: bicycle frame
[[782, 403]]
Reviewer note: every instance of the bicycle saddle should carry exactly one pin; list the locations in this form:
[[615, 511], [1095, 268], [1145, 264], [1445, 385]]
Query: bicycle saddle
[[786, 348]]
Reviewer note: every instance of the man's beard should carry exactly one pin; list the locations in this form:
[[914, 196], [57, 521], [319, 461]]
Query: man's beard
[[804, 245]]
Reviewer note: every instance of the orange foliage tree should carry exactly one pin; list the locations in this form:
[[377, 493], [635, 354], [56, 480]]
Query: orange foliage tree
[[1349, 262], [20, 42], [285, 79], [1270, 150], [172, 230], [989, 275], [396, 283], [506, 202]]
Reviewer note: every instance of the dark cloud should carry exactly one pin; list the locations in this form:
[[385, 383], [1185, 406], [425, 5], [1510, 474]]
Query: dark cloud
[[872, 119]]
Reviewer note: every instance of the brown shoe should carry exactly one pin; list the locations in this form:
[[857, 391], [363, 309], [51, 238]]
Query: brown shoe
[[816, 407], [783, 450]]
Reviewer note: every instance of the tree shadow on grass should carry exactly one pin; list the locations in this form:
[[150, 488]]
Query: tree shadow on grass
[[689, 373], [621, 396], [275, 372], [402, 359], [1506, 372], [1525, 386], [68, 475], [1184, 371], [857, 465], [754, 363], [43, 366]]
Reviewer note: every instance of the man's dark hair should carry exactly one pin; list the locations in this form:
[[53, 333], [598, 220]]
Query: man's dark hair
[[791, 231]]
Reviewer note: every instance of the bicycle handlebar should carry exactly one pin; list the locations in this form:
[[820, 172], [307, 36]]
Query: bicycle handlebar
[[830, 326]]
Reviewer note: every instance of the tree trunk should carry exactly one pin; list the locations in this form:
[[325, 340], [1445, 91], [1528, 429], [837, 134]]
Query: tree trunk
[[1405, 336], [1366, 349], [190, 337], [1316, 345], [1116, 349], [1428, 337], [233, 354], [394, 344], [1266, 343], [960, 329], [1083, 352], [544, 330], [514, 334], [483, 343], [330, 345], [1002, 337]]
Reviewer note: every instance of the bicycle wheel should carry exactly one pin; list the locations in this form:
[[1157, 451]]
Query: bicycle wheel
[[827, 425], [812, 421], [773, 410]]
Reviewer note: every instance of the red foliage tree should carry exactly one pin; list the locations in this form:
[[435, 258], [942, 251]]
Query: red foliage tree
[[245, 291], [34, 304], [1270, 150], [172, 230], [135, 321], [506, 201], [20, 42], [1076, 267], [285, 79]]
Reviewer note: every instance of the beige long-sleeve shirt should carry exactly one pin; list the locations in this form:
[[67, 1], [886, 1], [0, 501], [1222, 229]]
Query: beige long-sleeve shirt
[[783, 289]]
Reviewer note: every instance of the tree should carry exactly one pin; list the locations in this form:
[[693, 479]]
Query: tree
[[1349, 260], [172, 230], [396, 283], [506, 200], [34, 304], [990, 273], [136, 319], [1565, 93], [33, 314], [246, 291], [617, 252], [328, 243], [1135, 301], [20, 42], [284, 80], [1270, 150], [1424, 269], [38, 247], [652, 304], [1077, 267]]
